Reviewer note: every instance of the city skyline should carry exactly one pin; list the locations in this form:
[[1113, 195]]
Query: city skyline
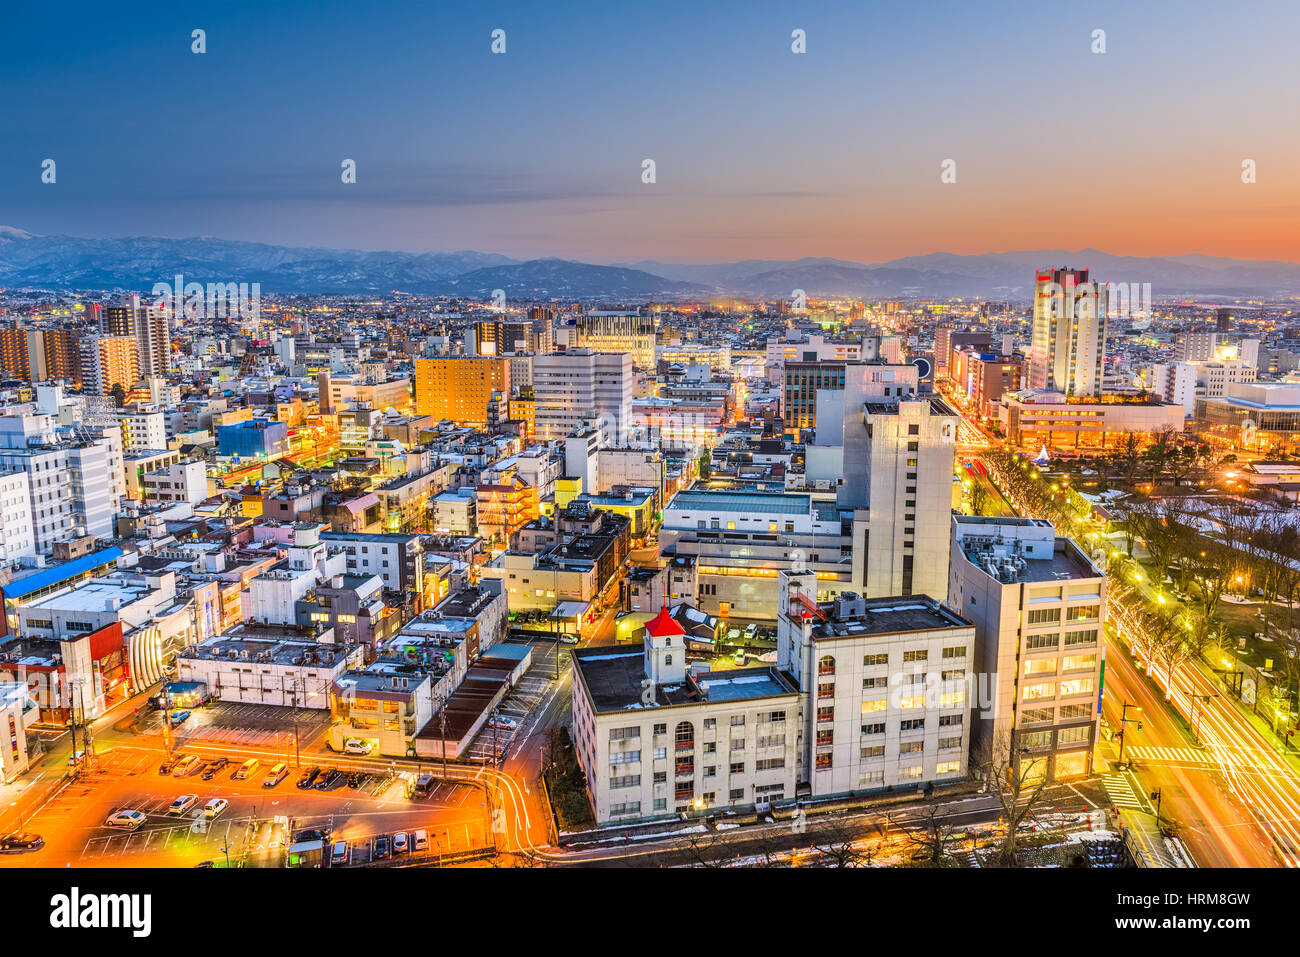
[[759, 152]]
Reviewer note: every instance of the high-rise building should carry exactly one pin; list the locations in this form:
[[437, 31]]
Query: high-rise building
[[1038, 606], [581, 385], [40, 355], [107, 361], [459, 388], [1069, 332], [1196, 346], [148, 326], [1222, 320], [629, 332]]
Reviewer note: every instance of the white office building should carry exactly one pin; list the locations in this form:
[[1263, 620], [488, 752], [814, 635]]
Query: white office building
[[571, 388], [1038, 605]]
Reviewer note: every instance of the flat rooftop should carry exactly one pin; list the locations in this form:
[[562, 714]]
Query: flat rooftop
[[855, 617], [614, 680], [767, 503]]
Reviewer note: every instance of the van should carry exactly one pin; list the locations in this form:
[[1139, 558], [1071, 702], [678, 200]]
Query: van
[[339, 855], [275, 775], [424, 786], [245, 769], [420, 841]]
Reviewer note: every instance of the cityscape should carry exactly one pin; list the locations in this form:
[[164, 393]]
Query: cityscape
[[635, 513]]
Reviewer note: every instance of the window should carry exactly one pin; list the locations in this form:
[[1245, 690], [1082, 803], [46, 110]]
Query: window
[[948, 744], [1082, 613], [1036, 715], [624, 757], [661, 777], [824, 761], [1077, 735], [871, 707], [870, 661], [1076, 686], [911, 747], [872, 751], [738, 767], [626, 781], [710, 724], [737, 744], [918, 655], [685, 736], [663, 728], [768, 764], [910, 773], [880, 682], [956, 651], [826, 666], [956, 674], [620, 810], [950, 721], [710, 747], [1036, 739], [773, 716], [877, 728], [912, 724], [825, 737], [947, 767], [661, 804], [660, 753], [1043, 616], [1041, 642], [826, 690], [1044, 689], [915, 701], [1072, 712], [620, 734], [771, 741], [826, 714], [737, 794], [1079, 663], [1040, 666], [1088, 637], [737, 720]]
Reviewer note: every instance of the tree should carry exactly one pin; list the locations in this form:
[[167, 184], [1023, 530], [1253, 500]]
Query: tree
[[927, 836], [1157, 453], [119, 394], [1019, 780], [1127, 456], [979, 497]]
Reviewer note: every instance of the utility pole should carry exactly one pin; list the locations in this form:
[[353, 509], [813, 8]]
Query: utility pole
[[442, 733]]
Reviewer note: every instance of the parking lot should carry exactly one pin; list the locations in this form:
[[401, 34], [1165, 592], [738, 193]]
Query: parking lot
[[251, 828], [229, 722]]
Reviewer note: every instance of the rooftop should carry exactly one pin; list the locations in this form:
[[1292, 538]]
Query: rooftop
[[614, 679], [851, 616], [731, 501]]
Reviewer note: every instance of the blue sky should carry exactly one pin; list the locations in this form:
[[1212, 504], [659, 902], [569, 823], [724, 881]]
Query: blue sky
[[759, 152]]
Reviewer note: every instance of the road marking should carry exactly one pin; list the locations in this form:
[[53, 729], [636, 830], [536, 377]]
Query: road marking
[[1171, 755], [1121, 791]]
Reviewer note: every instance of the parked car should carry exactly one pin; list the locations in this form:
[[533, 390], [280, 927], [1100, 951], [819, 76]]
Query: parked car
[[382, 845], [311, 834], [502, 722], [182, 804], [353, 746], [76, 757], [401, 843], [21, 843], [245, 769], [323, 780], [276, 775], [308, 777], [356, 779], [215, 807], [169, 763], [214, 767], [339, 854], [421, 841], [127, 819], [185, 766], [336, 780], [180, 717]]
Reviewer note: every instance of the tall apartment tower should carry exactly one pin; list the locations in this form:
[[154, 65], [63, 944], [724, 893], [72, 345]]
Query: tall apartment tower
[[107, 361], [40, 355], [1069, 332], [459, 388], [581, 385], [148, 326], [1038, 606]]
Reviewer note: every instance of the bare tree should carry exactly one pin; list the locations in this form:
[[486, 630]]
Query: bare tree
[[927, 837], [1019, 780]]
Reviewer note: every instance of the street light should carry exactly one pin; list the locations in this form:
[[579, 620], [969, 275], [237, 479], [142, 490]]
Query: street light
[[1123, 720]]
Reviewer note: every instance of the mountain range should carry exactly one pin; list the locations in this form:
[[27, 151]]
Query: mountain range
[[137, 262]]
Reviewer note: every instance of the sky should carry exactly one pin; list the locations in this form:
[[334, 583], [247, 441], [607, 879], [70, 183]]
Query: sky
[[759, 152]]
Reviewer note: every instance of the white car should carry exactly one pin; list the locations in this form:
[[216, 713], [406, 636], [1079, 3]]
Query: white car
[[128, 819], [400, 843], [215, 807], [182, 804], [502, 722], [357, 747], [76, 757]]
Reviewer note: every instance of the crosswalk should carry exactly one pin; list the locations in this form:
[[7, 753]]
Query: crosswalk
[[1121, 792], [1170, 755]]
